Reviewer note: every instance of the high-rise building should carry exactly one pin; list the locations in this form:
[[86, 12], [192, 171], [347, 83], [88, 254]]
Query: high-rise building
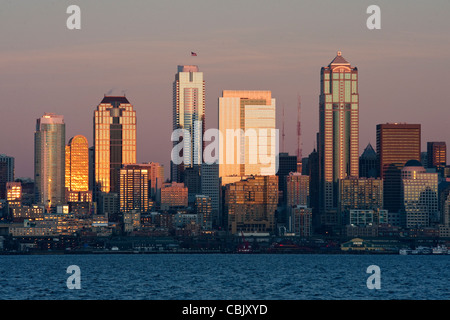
[[134, 184], [397, 143], [338, 143], [437, 155], [286, 165], [359, 194], [248, 142], [188, 115], [49, 160], [173, 195], [203, 209], [420, 195], [250, 204], [114, 141], [211, 188], [368, 164], [297, 190], [6, 173], [77, 170], [300, 221]]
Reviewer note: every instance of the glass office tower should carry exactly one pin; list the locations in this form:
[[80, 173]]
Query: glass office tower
[[49, 160], [114, 141]]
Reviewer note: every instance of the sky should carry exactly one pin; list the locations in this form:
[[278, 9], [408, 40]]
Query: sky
[[134, 47]]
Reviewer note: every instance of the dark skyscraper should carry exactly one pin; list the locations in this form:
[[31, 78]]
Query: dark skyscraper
[[397, 143], [368, 164], [286, 165], [437, 155], [6, 173]]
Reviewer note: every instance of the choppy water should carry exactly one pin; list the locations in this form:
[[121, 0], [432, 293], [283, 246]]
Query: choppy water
[[224, 277]]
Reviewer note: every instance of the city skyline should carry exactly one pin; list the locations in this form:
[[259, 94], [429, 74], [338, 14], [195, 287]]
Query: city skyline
[[65, 72]]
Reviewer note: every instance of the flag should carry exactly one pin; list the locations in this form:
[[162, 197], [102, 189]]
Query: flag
[[193, 54]]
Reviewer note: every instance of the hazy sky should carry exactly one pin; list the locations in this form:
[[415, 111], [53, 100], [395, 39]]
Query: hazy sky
[[135, 47]]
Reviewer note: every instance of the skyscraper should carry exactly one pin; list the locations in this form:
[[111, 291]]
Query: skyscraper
[[437, 155], [248, 142], [397, 143], [188, 115], [6, 173], [77, 170], [114, 141], [338, 144], [49, 160], [210, 184]]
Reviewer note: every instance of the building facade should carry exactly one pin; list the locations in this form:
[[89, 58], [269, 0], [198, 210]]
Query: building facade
[[173, 195], [420, 195], [248, 141], [251, 203], [133, 192]]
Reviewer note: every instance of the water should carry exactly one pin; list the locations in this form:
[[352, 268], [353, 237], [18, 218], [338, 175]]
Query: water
[[224, 277]]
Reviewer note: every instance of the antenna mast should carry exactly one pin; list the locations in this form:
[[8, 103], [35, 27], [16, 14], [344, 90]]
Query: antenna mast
[[299, 134], [282, 133]]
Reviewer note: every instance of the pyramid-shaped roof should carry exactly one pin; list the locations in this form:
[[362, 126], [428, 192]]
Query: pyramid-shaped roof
[[369, 152], [339, 59]]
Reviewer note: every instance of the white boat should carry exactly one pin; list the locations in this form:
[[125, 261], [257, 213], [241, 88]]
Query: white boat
[[440, 250], [422, 250], [405, 252]]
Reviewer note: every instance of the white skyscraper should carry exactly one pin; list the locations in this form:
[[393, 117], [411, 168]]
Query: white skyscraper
[[189, 115]]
